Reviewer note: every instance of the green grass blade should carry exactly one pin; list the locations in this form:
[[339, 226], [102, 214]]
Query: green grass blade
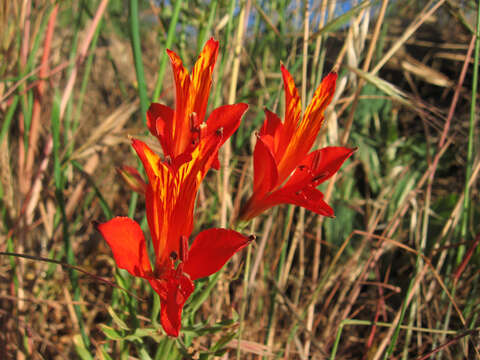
[[164, 57]]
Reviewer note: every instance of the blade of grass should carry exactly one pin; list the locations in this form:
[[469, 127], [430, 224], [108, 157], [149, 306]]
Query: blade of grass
[[137, 57], [37, 105], [59, 188], [86, 77], [172, 29], [7, 120], [471, 132]]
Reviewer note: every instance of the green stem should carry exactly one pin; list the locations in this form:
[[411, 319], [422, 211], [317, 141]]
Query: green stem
[[137, 57], [163, 62], [468, 173]]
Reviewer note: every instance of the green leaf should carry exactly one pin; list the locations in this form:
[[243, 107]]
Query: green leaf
[[105, 354], [144, 355], [220, 345], [110, 332], [80, 348], [119, 322]]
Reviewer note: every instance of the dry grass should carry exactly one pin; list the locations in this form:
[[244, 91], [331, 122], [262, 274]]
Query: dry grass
[[394, 275]]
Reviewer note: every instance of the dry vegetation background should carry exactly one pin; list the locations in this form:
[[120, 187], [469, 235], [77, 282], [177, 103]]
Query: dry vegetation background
[[394, 275]]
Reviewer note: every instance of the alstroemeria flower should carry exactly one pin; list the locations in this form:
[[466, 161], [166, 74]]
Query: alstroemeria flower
[[190, 149], [170, 197], [284, 171], [180, 129]]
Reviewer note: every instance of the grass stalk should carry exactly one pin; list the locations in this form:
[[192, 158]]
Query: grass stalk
[[172, 29], [59, 185], [137, 57], [350, 268], [227, 147], [471, 132]]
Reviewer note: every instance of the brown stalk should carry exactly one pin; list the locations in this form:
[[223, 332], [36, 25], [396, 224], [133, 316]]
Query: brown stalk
[[227, 147], [461, 268], [316, 263], [419, 20], [387, 234], [301, 225], [419, 277], [37, 105], [318, 41], [260, 250], [452, 341], [238, 198], [81, 56], [55, 70], [366, 66], [49, 144]]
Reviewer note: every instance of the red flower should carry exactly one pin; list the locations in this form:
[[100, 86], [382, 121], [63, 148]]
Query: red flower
[[170, 196], [190, 150], [180, 130], [284, 172], [210, 250]]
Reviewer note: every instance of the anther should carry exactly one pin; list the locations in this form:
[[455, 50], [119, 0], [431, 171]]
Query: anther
[[219, 131], [168, 160], [174, 255], [202, 129], [252, 238], [193, 122]]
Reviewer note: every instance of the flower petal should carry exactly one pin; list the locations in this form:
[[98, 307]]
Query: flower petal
[[133, 179], [321, 98], [265, 174], [292, 103], [226, 119], [307, 130], [160, 122], [271, 134], [202, 79], [125, 238], [211, 249], [180, 128], [271, 124], [203, 157], [309, 198], [174, 290], [150, 160], [319, 166], [182, 84]]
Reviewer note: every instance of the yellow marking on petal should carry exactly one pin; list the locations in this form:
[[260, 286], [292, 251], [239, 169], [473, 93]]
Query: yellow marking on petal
[[307, 129], [153, 160]]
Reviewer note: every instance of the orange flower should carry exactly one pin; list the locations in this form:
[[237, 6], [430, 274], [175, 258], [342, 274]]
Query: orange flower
[[180, 130], [170, 196], [190, 150], [284, 172]]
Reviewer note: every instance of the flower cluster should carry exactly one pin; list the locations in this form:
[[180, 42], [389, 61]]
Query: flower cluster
[[284, 172]]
